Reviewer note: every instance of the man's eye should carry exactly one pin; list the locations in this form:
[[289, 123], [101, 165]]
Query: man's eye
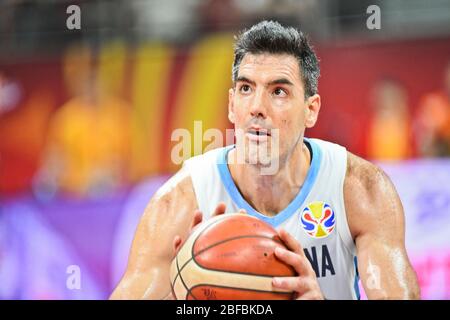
[[279, 92], [245, 88]]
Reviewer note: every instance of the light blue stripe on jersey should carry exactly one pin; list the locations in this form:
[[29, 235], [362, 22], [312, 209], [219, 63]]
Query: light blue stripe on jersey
[[356, 284], [282, 216]]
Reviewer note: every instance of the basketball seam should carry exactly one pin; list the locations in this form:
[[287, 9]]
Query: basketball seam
[[243, 289], [175, 279], [179, 270], [189, 291], [173, 290], [182, 281], [217, 243], [220, 242]]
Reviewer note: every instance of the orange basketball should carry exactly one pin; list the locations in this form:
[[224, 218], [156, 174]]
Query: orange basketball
[[230, 256]]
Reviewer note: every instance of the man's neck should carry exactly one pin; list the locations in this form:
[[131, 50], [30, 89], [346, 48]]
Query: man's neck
[[270, 194]]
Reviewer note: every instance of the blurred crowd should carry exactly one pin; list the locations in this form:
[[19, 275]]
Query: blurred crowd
[[98, 120], [85, 148], [396, 133]]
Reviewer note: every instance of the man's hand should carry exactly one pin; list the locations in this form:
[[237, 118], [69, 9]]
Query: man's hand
[[305, 285], [198, 218]]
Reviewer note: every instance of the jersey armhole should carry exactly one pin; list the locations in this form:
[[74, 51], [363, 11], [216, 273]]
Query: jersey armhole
[[343, 228], [200, 198]]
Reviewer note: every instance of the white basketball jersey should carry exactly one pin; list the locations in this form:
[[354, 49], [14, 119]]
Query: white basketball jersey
[[316, 216]]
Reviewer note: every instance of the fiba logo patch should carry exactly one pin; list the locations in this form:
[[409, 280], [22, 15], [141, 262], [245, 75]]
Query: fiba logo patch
[[318, 219]]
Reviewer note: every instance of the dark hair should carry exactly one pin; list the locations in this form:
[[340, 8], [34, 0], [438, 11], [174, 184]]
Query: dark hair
[[272, 37]]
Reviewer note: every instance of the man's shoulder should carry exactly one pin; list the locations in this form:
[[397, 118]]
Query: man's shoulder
[[366, 181], [178, 186], [325, 143], [363, 174], [371, 199]]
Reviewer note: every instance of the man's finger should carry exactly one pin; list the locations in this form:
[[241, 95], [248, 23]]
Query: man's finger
[[298, 262], [198, 217], [220, 209], [177, 244], [290, 284], [291, 242], [243, 211]]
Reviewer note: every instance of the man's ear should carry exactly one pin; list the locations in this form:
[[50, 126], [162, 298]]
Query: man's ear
[[231, 105], [312, 110]]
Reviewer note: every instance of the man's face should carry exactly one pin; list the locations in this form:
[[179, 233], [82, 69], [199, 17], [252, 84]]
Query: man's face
[[268, 95]]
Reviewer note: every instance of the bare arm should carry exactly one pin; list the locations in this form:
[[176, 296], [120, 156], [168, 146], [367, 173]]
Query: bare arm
[[376, 220], [170, 213]]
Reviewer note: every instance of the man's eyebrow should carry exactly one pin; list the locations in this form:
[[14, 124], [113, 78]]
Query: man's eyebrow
[[271, 83], [244, 79], [281, 81]]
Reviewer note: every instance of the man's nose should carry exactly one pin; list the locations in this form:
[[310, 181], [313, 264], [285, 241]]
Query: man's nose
[[258, 107]]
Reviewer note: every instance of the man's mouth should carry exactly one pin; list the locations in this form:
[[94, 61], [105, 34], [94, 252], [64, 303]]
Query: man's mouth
[[258, 134]]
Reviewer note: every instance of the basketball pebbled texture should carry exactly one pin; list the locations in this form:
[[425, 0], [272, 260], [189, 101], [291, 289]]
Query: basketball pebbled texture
[[230, 256]]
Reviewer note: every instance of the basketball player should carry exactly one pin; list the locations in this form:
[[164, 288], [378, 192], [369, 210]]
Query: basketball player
[[336, 212]]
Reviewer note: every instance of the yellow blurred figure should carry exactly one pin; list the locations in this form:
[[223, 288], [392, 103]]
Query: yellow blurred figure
[[91, 144], [389, 135], [88, 145]]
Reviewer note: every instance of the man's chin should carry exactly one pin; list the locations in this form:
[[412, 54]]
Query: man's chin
[[266, 166], [260, 161]]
